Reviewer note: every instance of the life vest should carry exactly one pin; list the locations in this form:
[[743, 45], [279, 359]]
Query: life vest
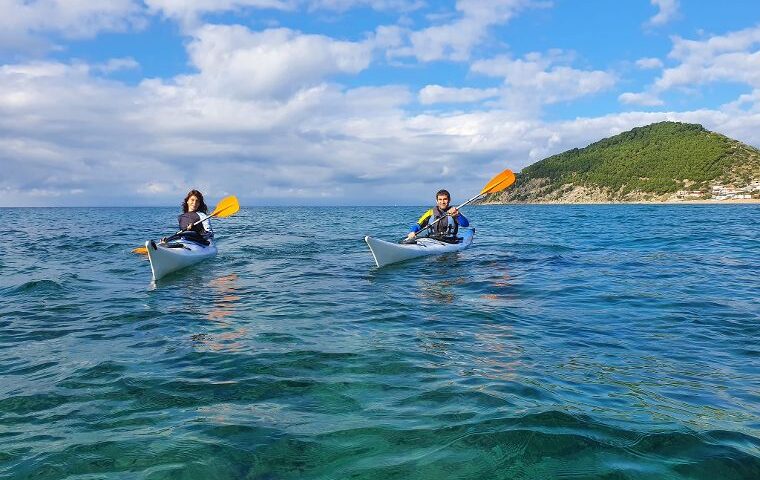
[[448, 227]]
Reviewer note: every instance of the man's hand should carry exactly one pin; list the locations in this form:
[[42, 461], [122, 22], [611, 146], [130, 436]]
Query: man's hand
[[411, 236], [453, 211]]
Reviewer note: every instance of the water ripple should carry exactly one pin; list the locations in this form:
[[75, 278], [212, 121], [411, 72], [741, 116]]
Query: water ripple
[[569, 342]]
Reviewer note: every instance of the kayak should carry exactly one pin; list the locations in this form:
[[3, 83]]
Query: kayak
[[166, 258], [386, 253]]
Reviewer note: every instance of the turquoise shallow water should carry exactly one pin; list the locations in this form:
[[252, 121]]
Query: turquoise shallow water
[[606, 342]]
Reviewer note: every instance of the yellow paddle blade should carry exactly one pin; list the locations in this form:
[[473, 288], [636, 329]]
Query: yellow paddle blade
[[140, 250], [499, 182], [226, 207]]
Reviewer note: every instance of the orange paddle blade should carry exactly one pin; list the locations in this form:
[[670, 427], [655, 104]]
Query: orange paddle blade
[[140, 250], [499, 182], [226, 207]]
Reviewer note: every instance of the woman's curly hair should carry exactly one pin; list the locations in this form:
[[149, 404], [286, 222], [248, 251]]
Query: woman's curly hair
[[201, 203]]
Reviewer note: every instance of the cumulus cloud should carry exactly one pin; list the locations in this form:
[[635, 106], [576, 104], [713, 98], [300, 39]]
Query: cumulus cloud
[[646, 99], [66, 130], [668, 10], [540, 79], [23, 22], [749, 102], [189, 12], [431, 94], [649, 63], [118, 64], [729, 58], [274, 63], [456, 39], [262, 115], [734, 57], [70, 137], [379, 5]]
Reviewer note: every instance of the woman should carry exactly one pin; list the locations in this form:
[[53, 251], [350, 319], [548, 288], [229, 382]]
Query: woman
[[194, 221]]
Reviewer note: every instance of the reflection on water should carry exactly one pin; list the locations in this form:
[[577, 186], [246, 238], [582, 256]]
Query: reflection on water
[[225, 296], [500, 355], [226, 336], [440, 291]]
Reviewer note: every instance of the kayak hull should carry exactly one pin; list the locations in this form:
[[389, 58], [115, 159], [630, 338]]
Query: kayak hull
[[165, 259], [386, 253]]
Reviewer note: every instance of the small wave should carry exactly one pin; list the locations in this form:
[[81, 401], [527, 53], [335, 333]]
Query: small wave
[[38, 286]]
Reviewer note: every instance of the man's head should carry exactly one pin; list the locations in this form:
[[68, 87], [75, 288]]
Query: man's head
[[442, 199]]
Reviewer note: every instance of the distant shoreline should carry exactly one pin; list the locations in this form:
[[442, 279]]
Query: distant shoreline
[[672, 202]]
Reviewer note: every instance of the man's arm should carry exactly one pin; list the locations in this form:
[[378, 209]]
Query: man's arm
[[422, 221]]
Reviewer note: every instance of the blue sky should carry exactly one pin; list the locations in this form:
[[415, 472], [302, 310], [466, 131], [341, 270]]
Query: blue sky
[[347, 102]]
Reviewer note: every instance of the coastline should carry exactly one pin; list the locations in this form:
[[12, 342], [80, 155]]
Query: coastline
[[670, 202]]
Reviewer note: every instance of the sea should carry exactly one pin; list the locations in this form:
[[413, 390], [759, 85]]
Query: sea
[[568, 342]]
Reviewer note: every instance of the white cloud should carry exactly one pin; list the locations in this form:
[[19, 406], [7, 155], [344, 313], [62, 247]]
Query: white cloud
[[189, 11], [263, 118], [67, 131], [644, 98], [734, 57], [456, 39], [730, 58], [234, 61], [23, 22], [668, 10], [71, 138], [749, 102], [118, 64], [378, 5], [320, 141], [540, 79], [431, 94], [649, 63]]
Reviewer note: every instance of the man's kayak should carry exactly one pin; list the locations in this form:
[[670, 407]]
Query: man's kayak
[[166, 258], [386, 253]]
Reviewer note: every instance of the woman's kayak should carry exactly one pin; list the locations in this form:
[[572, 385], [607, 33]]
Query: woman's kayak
[[386, 253], [166, 258]]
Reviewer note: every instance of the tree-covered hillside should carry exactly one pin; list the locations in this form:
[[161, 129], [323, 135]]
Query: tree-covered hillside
[[651, 162]]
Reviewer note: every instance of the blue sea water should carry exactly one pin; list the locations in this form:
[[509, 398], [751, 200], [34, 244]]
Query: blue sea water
[[600, 342]]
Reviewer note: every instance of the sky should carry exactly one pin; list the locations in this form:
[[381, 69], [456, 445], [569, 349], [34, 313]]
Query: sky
[[347, 102]]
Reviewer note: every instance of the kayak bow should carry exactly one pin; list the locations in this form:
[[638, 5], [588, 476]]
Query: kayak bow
[[166, 258]]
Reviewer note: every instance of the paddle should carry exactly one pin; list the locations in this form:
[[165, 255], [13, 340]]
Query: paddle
[[226, 207], [496, 184]]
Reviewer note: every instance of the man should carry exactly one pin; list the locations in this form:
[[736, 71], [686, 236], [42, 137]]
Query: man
[[446, 227]]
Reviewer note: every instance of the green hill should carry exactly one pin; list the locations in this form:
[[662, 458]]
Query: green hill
[[659, 162]]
